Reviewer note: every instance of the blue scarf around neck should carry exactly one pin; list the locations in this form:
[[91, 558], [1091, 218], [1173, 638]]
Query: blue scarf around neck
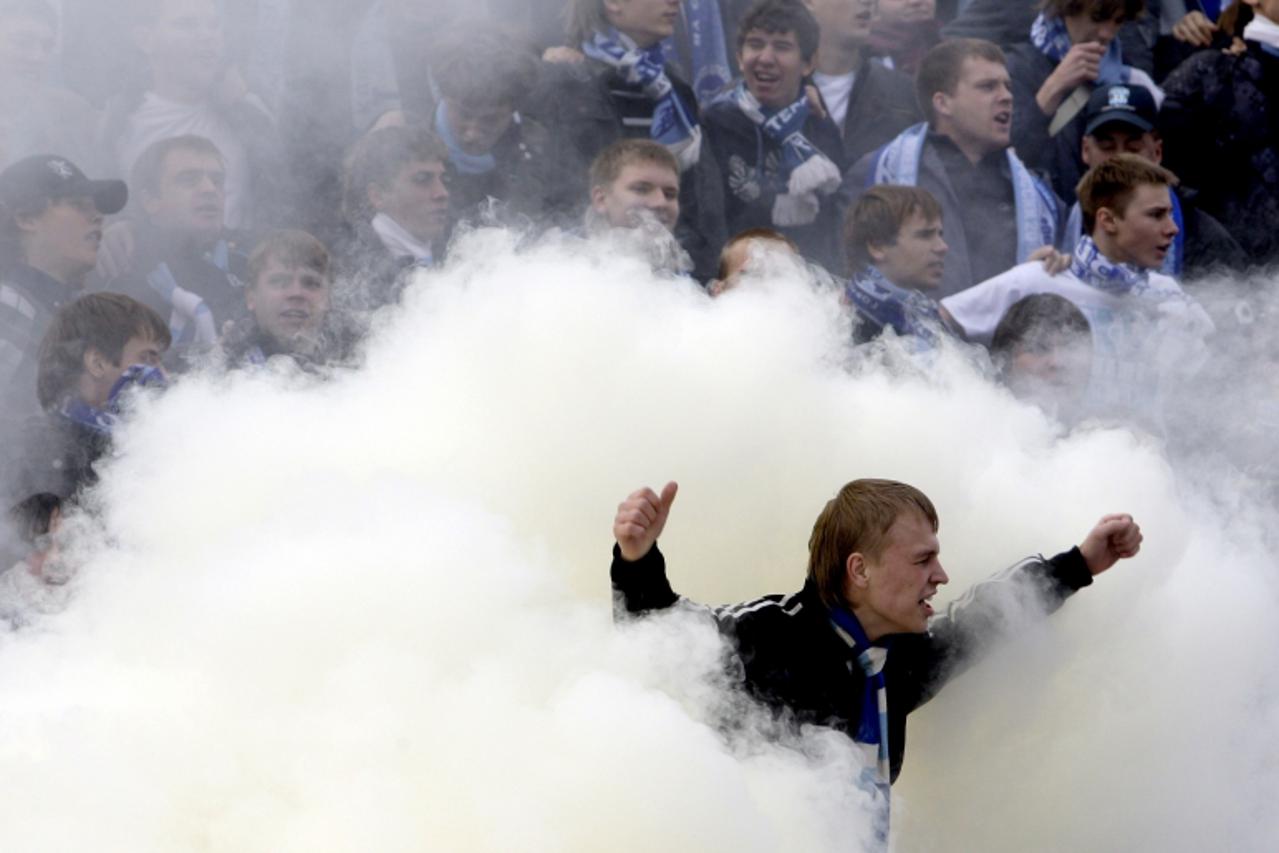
[[906, 312], [466, 164], [673, 124], [872, 721], [1053, 40], [1093, 268], [898, 162]]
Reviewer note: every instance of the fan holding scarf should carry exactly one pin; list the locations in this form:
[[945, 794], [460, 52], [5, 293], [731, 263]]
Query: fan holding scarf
[[859, 647], [780, 156]]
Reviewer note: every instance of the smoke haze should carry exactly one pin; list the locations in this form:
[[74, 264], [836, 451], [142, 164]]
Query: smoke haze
[[373, 613]]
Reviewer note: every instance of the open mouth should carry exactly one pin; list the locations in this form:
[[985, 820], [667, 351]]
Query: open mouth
[[926, 605], [1004, 120]]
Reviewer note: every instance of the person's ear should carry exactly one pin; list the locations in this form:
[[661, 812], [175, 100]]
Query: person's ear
[[857, 571], [1107, 221], [941, 104], [95, 363], [598, 196], [150, 202], [1159, 149], [376, 195], [249, 301], [876, 252]]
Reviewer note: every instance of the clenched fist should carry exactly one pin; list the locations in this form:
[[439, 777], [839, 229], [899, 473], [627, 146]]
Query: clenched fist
[[1115, 537], [640, 519]]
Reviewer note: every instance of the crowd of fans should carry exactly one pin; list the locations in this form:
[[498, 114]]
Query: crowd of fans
[[1047, 180]]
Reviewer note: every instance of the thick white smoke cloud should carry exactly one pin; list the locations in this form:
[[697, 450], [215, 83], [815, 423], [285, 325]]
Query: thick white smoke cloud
[[373, 613]]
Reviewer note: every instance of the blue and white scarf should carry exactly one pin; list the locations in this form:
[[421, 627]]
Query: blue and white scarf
[[1037, 212], [1174, 265], [191, 323], [872, 719], [1093, 268], [906, 312], [804, 167], [103, 421], [1052, 39], [673, 124], [707, 48], [1264, 32], [466, 164]]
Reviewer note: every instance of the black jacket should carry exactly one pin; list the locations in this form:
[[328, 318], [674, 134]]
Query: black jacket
[[1221, 123], [1057, 156], [50, 454], [792, 659], [882, 105], [528, 179], [586, 106], [750, 183]]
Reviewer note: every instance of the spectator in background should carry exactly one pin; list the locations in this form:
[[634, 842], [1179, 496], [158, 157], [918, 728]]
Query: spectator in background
[[1220, 121], [289, 302], [897, 255], [183, 266], [745, 251], [1042, 349], [1147, 333], [36, 116], [193, 91], [50, 229], [904, 32], [635, 187], [96, 349], [870, 104], [995, 213], [625, 89], [1121, 119], [1187, 26], [1073, 49], [495, 152], [396, 201], [779, 154]]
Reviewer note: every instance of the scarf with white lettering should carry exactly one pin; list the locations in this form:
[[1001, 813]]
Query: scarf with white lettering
[[898, 163], [1093, 268], [909, 313], [673, 123]]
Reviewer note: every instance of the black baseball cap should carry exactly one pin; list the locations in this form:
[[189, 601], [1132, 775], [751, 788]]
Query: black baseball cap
[[1131, 105], [47, 177]]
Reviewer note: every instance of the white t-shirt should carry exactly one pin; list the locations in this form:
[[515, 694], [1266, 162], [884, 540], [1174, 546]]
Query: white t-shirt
[[157, 118], [1142, 342], [836, 90]]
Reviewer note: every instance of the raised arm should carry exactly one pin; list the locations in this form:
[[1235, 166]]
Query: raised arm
[[993, 610], [638, 572]]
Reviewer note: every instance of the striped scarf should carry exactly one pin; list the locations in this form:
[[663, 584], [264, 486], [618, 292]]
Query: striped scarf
[[1093, 268], [872, 721], [907, 312], [673, 125], [103, 421], [898, 163]]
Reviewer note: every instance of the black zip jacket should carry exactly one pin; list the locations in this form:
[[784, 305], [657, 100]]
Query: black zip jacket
[[792, 659]]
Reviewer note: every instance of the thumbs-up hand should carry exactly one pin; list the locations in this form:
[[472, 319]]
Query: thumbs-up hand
[[640, 519]]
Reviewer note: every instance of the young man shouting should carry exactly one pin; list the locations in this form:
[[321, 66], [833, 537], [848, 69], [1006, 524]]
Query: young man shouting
[[860, 647]]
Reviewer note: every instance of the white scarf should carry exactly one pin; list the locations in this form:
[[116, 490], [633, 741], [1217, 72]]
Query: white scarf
[[1262, 30], [400, 242]]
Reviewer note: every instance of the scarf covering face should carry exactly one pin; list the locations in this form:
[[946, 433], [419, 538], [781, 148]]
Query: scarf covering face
[[673, 125], [1053, 40], [1093, 268], [1036, 206], [1263, 31], [466, 164], [805, 169], [1174, 262], [909, 313], [103, 421], [872, 721]]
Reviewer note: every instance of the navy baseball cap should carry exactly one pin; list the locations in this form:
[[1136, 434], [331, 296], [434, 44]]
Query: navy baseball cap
[[1130, 105], [47, 177]]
